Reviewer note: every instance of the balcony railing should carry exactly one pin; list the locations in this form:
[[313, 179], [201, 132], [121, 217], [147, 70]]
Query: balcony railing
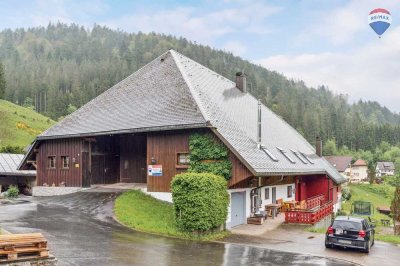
[[315, 211]]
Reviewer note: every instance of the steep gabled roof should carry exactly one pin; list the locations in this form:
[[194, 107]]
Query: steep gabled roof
[[174, 92], [388, 166], [9, 164], [153, 98], [341, 163], [360, 162]]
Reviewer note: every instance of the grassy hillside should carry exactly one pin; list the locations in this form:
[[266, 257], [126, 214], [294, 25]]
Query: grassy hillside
[[19, 125], [379, 195]]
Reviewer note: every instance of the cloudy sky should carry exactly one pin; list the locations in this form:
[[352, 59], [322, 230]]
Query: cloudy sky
[[321, 42]]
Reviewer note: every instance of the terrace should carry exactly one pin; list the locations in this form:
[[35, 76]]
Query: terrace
[[309, 211]]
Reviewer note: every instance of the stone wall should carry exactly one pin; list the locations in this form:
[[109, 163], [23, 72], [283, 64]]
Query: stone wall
[[40, 191]]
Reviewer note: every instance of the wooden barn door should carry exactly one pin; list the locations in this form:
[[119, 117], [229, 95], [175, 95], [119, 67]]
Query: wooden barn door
[[98, 169]]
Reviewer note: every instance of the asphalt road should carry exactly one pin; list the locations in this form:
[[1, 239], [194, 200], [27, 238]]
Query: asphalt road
[[80, 231], [294, 239]]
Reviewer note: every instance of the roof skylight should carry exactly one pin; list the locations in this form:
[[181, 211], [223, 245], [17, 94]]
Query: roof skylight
[[270, 155], [306, 157], [301, 158], [286, 155]]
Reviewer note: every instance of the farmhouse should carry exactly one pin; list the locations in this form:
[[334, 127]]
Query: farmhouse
[[384, 168], [359, 172], [138, 131], [342, 164], [10, 175]]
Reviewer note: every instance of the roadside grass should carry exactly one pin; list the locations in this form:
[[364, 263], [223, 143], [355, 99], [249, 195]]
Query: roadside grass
[[19, 125], [315, 230], [388, 238], [144, 213]]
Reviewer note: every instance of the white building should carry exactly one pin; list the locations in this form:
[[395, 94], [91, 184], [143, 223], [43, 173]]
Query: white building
[[384, 168]]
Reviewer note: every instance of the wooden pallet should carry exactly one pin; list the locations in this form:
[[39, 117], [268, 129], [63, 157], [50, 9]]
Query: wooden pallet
[[21, 246]]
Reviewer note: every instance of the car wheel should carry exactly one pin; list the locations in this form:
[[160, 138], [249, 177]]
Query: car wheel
[[368, 247], [327, 245]]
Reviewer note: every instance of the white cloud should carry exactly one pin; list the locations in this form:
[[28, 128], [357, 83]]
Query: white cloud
[[340, 25], [199, 24], [370, 72]]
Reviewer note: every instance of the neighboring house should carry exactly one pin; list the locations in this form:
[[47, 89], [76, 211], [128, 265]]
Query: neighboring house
[[144, 122], [384, 168], [10, 175], [359, 171], [342, 165]]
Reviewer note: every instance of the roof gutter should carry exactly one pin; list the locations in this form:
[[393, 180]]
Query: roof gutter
[[125, 131]]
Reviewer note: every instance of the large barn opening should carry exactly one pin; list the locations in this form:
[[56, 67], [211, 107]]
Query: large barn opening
[[114, 158]]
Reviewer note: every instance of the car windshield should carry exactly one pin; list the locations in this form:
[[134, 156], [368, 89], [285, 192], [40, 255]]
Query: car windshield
[[347, 225]]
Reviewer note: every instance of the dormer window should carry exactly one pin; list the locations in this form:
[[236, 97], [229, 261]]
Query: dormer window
[[299, 156], [286, 155], [270, 155]]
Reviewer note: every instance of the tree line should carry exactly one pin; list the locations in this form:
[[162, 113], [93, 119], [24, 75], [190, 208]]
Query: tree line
[[58, 68]]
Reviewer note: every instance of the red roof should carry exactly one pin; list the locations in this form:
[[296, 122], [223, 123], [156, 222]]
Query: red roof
[[339, 162], [360, 162]]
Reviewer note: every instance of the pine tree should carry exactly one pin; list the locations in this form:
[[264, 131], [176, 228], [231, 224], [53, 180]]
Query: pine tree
[[2, 82], [395, 208]]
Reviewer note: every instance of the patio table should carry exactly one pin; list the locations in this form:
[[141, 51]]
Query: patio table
[[274, 207]]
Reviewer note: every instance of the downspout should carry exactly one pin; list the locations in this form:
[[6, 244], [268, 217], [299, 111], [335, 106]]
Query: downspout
[[259, 125]]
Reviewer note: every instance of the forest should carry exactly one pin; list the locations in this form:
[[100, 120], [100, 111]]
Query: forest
[[56, 69]]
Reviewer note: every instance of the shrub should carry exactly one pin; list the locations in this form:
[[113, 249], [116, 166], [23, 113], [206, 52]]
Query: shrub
[[341, 213], [346, 194], [200, 201], [208, 155], [12, 192], [12, 149]]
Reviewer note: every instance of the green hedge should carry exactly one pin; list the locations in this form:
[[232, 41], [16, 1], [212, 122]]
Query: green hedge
[[200, 200]]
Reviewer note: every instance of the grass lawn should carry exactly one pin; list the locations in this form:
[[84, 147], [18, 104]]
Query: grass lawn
[[147, 214], [19, 125], [378, 195]]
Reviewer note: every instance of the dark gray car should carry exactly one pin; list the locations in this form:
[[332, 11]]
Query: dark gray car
[[351, 232]]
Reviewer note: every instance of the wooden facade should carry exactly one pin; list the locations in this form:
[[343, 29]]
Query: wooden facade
[[163, 149], [71, 176], [124, 158], [133, 168]]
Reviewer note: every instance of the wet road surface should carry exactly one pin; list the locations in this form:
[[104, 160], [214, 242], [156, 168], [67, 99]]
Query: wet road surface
[[80, 231], [294, 239]]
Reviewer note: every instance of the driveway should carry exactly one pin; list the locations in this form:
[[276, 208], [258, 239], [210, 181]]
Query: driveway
[[80, 231], [294, 239]]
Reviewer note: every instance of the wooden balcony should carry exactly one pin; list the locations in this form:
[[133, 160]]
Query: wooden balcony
[[315, 210]]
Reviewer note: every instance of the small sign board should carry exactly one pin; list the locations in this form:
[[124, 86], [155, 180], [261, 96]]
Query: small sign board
[[155, 170]]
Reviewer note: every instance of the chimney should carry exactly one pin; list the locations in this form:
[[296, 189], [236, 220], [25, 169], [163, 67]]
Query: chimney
[[241, 81], [258, 124], [318, 146]]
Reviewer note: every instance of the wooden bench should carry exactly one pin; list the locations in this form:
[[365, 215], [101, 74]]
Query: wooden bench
[[21, 246]]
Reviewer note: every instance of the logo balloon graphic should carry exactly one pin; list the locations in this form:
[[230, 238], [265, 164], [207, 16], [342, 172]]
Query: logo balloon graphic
[[379, 19]]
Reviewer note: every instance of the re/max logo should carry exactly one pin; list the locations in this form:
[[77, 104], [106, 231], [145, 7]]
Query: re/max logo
[[380, 17]]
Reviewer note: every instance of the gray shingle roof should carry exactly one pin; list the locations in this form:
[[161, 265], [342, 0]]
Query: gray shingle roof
[[156, 96], [385, 166], [174, 91], [9, 164]]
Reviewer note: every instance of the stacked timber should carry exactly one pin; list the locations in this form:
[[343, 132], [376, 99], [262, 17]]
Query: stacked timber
[[15, 247]]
